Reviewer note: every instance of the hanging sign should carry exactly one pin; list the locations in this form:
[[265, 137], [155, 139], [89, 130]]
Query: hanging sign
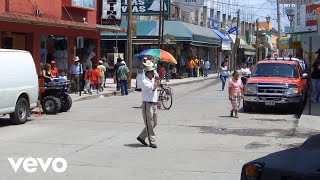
[[145, 7], [111, 12], [189, 5]]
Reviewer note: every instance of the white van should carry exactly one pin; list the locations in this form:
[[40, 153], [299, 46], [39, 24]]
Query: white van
[[18, 84]]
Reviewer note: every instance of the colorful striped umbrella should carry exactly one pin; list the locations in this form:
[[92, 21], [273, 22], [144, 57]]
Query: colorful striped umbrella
[[159, 54]]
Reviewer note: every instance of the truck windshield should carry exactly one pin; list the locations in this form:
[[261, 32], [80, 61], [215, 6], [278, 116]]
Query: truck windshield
[[275, 70]]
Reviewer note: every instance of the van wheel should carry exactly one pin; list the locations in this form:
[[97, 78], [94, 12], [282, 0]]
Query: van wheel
[[21, 112], [66, 103], [51, 105]]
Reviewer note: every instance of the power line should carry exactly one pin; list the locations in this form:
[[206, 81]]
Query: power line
[[250, 7]]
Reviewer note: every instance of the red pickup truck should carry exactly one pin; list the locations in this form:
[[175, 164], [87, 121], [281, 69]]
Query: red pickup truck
[[277, 83]]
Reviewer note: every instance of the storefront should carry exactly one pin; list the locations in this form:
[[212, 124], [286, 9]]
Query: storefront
[[48, 41]]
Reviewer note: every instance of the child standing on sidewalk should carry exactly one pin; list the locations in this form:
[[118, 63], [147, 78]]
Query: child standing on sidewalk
[[235, 93], [94, 78], [87, 88]]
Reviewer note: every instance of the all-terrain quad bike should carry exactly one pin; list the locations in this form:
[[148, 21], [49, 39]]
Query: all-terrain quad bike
[[54, 97]]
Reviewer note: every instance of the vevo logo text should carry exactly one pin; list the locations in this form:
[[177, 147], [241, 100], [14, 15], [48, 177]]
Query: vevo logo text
[[30, 165]]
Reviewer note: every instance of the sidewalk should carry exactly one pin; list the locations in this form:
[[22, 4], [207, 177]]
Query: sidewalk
[[110, 89], [310, 122]]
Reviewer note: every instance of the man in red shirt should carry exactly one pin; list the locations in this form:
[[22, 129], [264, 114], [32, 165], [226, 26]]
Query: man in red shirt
[[54, 69], [94, 78]]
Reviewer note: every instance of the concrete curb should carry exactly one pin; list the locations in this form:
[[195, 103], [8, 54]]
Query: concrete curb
[[117, 93]]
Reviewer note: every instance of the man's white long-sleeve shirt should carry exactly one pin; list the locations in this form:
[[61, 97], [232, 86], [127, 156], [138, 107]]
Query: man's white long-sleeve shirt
[[148, 95]]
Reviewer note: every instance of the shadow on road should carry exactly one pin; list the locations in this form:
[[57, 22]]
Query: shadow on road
[[136, 145]]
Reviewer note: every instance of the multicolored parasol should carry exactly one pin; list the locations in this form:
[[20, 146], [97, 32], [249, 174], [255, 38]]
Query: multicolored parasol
[[159, 54]]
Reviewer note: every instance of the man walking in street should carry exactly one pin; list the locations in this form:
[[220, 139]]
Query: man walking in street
[[102, 70], [123, 72], [149, 107], [75, 72], [206, 68], [201, 65], [116, 67]]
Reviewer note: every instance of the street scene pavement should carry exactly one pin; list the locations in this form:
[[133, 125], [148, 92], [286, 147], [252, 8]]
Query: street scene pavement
[[196, 138]]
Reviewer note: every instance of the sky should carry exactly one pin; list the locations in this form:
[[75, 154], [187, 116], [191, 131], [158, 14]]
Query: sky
[[250, 10]]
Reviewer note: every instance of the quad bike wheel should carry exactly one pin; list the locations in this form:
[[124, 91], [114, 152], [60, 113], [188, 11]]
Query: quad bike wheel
[[66, 103], [51, 105]]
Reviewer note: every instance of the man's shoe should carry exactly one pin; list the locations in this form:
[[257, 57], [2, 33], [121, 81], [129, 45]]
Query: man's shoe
[[142, 141], [153, 145]]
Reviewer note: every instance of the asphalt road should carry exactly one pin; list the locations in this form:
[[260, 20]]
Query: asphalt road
[[196, 139]]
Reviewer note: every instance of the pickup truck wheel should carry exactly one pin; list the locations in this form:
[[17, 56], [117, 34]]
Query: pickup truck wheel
[[20, 114], [247, 107], [51, 105]]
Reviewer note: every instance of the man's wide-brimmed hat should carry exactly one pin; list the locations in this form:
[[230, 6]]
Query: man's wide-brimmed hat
[[148, 63], [76, 59], [318, 51], [149, 68]]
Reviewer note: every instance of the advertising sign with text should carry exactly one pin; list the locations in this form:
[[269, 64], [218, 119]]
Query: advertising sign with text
[[145, 7]]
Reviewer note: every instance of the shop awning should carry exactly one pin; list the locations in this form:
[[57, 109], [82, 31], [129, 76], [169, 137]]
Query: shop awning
[[222, 36], [202, 34], [110, 28], [243, 44], [284, 43], [150, 30]]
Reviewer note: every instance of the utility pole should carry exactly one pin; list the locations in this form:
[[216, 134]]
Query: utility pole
[[236, 45], [279, 25], [162, 22], [257, 40], [129, 42], [160, 25]]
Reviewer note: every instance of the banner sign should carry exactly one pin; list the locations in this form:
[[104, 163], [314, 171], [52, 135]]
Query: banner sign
[[295, 1], [111, 12], [213, 23], [189, 5], [312, 15], [90, 4], [145, 7]]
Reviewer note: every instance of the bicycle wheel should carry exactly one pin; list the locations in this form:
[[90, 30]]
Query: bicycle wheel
[[166, 98]]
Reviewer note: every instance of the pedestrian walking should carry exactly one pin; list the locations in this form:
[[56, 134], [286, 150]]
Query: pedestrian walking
[[75, 71], [102, 70], [201, 65], [206, 68], [116, 67], [196, 67], [87, 88], [315, 79], [149, 107], [173, 72], [94, 78], [223, 72], [190, 66], [123, 72], [235, 93], [245, 73]]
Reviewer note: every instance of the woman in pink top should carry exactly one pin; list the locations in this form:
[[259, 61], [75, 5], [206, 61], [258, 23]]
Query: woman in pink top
[[235, 93]]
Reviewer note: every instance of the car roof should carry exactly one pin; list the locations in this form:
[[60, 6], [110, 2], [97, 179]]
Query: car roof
[[282, 60]]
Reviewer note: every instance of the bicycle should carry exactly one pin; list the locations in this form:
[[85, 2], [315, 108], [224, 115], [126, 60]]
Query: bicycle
[[165, 95]]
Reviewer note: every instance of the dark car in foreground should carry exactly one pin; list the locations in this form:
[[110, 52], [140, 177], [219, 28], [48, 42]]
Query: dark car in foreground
[[300, 163]]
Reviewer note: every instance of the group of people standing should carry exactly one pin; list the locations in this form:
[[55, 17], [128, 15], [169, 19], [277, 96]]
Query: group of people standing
[[91, 78], [51, 71], [197, 67]]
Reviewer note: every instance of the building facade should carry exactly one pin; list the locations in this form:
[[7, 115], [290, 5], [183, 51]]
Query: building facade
[[51, 30]]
